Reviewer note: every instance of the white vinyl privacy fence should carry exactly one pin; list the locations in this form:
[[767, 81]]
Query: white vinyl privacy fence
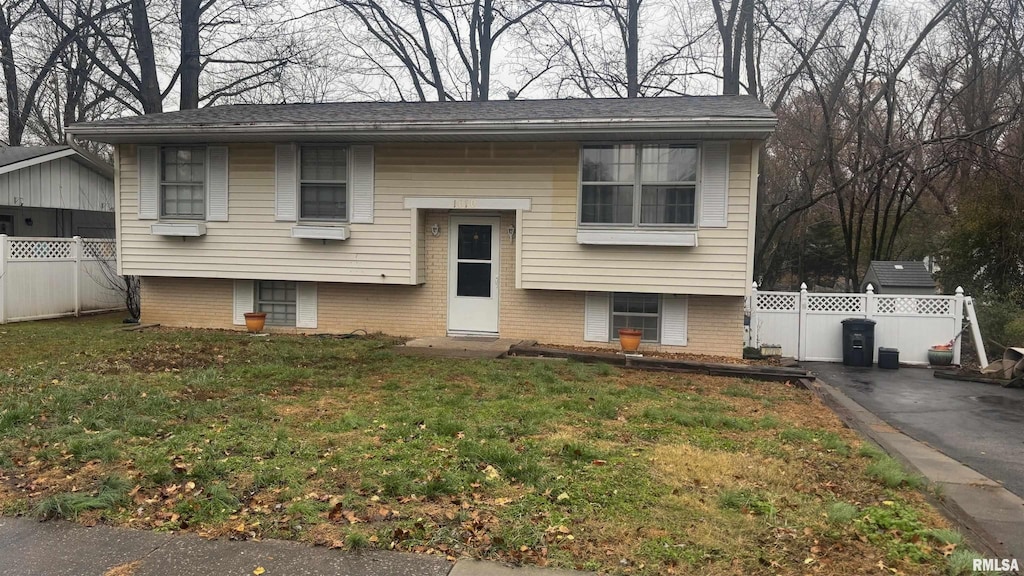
[[809, 326], [53, 277]]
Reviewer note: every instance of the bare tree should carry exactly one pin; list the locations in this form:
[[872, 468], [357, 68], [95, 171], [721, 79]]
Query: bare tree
[[435, 49], [620, 48]]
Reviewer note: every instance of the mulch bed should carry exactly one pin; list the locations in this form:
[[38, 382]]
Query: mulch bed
[[663, 363]]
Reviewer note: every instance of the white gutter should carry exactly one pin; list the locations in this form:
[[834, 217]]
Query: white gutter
[[133, 133]]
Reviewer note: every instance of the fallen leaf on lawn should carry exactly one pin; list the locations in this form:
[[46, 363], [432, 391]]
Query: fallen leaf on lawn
[[491, 473], [259, 570], [599, 462], [563, 496]]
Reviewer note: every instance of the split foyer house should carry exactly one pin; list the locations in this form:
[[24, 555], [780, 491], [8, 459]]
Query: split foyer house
[[554, 220]]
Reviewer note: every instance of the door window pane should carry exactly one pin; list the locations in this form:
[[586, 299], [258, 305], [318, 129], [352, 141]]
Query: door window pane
[[474, 279], [474, 242]]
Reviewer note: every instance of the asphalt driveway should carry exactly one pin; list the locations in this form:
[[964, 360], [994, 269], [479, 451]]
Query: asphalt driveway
[[981, 425]]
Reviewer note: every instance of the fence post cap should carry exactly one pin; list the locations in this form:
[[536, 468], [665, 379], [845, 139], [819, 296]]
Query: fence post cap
[[871, 288], [753, 286], [803, 287], [959, 290]]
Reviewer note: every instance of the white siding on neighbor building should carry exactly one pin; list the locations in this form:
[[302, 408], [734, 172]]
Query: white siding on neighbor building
[[61, 183], [252, 245]]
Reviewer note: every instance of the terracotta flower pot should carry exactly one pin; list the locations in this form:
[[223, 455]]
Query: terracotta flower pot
[[254, 321], [629, 339]]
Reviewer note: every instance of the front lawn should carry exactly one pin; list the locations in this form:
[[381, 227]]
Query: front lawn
[[345, 444]]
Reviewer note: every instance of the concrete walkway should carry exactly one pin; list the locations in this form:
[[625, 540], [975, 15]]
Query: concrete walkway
[[990, 513], [457, 347], [32, 548]]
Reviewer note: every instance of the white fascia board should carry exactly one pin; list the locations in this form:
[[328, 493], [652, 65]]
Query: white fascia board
[[523, 129], [435, 203], [37, 160], [686, 239]]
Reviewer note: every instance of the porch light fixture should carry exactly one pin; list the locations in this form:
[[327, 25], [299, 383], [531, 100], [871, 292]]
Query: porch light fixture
[[512, 233], [435, 230]]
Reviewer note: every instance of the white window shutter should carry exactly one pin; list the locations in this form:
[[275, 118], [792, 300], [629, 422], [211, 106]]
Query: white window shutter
[[149, 182], [596, 317], [287, 180], [305, 305], [674, 310], [217, 183], [714, 186], [362, 185], [245, 300]]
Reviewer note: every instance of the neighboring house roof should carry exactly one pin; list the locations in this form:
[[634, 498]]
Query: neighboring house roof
[[14, 154], [724, 116], [899, 273], [14, 158]]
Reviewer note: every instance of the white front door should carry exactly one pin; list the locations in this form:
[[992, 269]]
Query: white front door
[[473, 275]]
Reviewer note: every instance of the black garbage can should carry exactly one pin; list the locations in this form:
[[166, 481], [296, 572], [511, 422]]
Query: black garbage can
[[858, 342]]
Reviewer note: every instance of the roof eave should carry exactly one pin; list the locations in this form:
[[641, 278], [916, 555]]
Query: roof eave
[[521, 129]]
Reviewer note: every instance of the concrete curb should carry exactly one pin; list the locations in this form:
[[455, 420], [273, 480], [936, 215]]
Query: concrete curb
[[992, 516]]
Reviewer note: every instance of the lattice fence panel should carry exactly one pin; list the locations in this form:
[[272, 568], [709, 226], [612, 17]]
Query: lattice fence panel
[[41, 249], [98, 249], [914, 305], [835, 303], [774, 302]]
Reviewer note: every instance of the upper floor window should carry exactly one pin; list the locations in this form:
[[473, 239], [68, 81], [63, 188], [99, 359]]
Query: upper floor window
[[323, 183], [183, 182], [630, 185]]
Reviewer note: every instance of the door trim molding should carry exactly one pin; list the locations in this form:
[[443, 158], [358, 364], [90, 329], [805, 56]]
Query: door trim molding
[[453, 222]]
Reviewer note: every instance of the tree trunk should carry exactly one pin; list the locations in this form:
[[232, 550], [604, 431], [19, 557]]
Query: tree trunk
[[486, 47], [150, 83], [632, 48], [15, 123], [190, 67]]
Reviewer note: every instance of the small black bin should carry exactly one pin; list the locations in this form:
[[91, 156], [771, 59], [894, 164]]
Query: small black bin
[[888, 358], [858, 342]]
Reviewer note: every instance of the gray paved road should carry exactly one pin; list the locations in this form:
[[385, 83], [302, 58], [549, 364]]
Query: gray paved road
[[981, 425]]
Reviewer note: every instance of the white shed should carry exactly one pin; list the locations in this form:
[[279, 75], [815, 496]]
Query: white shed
[[55, 191]]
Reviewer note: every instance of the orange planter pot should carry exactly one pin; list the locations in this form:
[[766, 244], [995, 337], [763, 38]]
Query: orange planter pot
[[629, 339], [254, 321]]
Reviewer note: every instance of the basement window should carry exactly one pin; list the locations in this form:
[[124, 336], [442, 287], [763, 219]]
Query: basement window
[[277, 299]]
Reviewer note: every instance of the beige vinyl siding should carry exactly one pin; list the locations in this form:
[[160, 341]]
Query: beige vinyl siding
[[717, 266], [251, 245]]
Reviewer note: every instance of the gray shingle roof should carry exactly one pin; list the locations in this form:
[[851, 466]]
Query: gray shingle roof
[[13, 154], [906, 274], [454, 112]]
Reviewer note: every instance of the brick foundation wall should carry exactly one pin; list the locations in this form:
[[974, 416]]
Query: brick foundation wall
[[715, 323]]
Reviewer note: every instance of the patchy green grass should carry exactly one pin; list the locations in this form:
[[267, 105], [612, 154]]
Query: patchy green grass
[[345, 444]]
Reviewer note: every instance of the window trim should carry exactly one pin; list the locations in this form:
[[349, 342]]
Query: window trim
[[256, 302], [614, 334], [348, 183], [161, 182], [638, 186]]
